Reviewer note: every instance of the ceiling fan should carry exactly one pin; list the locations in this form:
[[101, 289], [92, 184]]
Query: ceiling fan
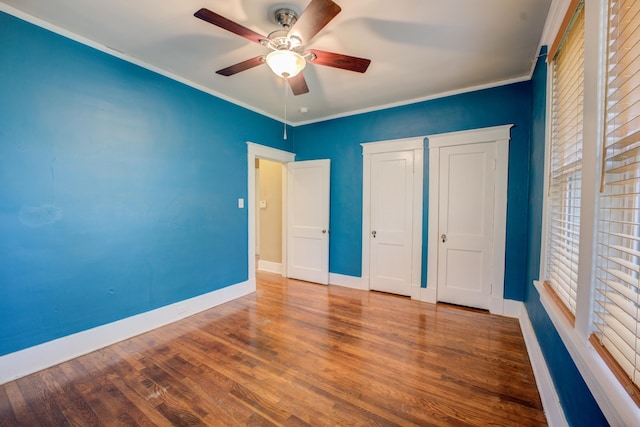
[[288, 56]]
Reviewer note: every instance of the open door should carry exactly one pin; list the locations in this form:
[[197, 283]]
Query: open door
[[308, 220]]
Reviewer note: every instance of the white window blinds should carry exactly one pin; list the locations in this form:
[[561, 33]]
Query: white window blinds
[[617, 313], [565, 177]]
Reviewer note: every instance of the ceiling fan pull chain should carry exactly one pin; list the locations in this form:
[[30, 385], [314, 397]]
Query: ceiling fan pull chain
[[285, 107]]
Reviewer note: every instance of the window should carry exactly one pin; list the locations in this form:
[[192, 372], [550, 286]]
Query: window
[[598, 317], [565, 181], [617, 297]]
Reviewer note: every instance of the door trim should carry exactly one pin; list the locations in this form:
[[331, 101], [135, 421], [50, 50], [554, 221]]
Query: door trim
[[501, 136], [407, 144], [263, 152]]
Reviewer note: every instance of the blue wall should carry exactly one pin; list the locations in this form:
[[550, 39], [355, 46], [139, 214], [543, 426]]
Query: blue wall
[[339, 140], [118, 187], [579, 405]]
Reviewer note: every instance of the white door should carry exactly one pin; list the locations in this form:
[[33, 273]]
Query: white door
[[391, 222], [466, 204], [308, 220]]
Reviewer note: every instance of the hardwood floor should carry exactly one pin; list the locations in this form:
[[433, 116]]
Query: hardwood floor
[[295, 353]]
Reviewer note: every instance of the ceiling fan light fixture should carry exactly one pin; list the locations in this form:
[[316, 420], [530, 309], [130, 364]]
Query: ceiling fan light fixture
[[285, 63]]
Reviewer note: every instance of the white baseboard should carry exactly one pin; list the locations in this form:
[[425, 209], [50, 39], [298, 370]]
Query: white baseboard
[[33, 359], [496, 306], [269, 266], [512, 308], [352, 282], [550, 401], [428, 294], [415, 291]]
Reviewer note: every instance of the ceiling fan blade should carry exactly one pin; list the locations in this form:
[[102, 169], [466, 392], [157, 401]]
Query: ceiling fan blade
[[229, 25], [242, 66], [337, 60], [314, 18], [298, 84]]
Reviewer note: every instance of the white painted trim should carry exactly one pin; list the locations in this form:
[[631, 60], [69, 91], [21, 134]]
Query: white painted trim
[[500, 220], [613, 400], [352, 282], [263, 152], [257, 211], [550, 401], [547, 162], [392, 146], [433, 223], [416, 145], [366, 219], [270, 153], [271, 267], [428, 294], [418, 194], [500, 136], [593, 128], [285, 219], [472, 136], [557, 11], [512, 308], [33, 359]]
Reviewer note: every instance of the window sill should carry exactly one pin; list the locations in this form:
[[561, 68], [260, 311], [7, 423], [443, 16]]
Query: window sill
[[615, 403]]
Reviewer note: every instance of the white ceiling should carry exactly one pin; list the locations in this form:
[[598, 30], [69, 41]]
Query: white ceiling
[[418, 48]]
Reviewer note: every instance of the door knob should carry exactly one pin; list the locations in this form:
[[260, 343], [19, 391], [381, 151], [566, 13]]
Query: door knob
[[373, 233], [444, 238], [324, 231]]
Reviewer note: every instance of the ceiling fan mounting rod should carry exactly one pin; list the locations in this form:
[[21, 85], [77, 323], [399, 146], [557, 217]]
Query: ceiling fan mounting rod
[[286, 18]]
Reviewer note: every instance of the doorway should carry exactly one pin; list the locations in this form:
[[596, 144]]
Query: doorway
[[467, 217], [268, 206], [256, 152], [304, 214]]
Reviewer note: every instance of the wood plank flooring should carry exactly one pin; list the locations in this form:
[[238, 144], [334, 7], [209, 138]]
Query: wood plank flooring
[[295, 354]]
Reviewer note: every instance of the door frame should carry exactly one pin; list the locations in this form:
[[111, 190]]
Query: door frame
[[500, 135], [257, 151], [416, 145]]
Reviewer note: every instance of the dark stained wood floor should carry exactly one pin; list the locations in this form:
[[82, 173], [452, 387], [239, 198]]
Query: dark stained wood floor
[[295, 354]]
